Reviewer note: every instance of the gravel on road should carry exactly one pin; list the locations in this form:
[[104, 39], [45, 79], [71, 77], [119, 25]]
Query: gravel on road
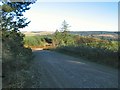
[[55, 70]]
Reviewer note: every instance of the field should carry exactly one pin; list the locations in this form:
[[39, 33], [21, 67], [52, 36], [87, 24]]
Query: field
[[34, 33]]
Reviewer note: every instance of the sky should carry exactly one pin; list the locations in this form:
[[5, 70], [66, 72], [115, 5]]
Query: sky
[[81, 16]]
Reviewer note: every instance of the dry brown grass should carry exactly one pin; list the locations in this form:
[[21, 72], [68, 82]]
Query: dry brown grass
[[41, 47], [37, 33]]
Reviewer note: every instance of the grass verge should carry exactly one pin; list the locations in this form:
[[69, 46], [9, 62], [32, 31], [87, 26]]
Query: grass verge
[[96, 55]]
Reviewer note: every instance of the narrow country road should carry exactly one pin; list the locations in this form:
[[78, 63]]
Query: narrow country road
[[55, 70]]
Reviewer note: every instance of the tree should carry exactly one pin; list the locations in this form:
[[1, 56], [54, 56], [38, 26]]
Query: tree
[[65, 26], [13, 50], [12, 21], [65, 34], [63, 38], [56, 38], [12, 15]]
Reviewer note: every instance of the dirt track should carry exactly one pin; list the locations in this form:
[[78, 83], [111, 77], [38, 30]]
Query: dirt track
[[54, 70]]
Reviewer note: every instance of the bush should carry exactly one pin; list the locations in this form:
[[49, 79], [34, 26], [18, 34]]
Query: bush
[[15, 57], [34, 41]]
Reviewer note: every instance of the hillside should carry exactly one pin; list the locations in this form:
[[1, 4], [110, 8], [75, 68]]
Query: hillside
[[92, 32], [98, 34]]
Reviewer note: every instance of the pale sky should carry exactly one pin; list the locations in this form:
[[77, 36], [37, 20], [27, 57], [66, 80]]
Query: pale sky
[[81, 16]]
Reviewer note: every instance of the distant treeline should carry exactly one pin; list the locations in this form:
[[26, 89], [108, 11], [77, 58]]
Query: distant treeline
[[93, 32], [97, 33]]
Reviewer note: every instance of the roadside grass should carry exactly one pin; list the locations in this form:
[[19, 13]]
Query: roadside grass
[[97, 55], [15, 70]]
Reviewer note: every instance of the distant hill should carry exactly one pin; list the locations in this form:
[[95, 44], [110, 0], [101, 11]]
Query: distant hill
[[86, 33], [98, 34]]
